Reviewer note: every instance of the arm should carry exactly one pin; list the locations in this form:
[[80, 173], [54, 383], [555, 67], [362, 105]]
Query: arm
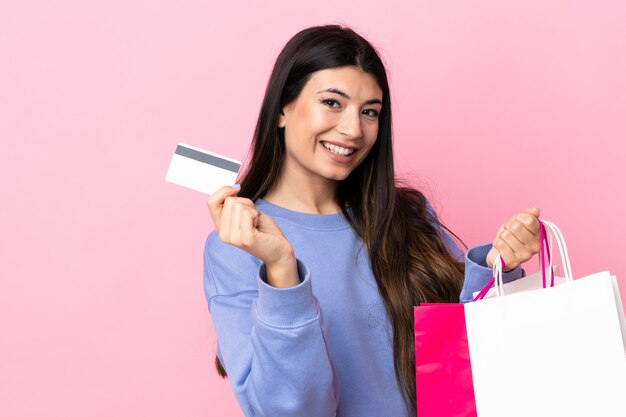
[[271, 340], [477, 273]]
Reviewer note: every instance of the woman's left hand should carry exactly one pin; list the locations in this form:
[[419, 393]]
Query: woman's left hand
[[517, 240]]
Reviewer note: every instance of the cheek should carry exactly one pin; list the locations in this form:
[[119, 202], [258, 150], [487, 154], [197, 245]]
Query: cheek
[[319, 119], [306, 121], [372, 130], [372, 135], [364, 153]]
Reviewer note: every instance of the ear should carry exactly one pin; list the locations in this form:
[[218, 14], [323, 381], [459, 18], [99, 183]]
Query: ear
[[282, 119]]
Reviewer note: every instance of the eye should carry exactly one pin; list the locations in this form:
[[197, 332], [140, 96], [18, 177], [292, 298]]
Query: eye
[[329, 102], [373, 113]]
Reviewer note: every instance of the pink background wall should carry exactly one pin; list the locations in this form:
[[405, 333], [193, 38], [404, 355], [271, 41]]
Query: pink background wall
[[499, 105]]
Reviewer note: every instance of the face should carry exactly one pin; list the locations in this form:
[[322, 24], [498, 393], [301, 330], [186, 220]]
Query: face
[[332, 125]]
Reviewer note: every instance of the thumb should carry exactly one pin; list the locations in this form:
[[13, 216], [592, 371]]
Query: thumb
[[266, 224], [534, 211]]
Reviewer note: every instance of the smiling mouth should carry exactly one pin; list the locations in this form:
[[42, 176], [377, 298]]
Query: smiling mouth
[[338, 150]]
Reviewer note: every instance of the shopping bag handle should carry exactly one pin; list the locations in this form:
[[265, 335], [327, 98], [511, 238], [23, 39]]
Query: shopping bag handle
[[560, 240], [545, 241], [546, 245]]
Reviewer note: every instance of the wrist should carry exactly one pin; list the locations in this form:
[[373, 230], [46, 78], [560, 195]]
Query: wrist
[[491, 258], [283, 272]]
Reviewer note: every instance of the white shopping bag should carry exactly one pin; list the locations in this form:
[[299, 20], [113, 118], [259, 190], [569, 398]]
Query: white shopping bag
[[558, 351]]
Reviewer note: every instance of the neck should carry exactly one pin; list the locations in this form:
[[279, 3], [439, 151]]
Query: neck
[[304, 193]]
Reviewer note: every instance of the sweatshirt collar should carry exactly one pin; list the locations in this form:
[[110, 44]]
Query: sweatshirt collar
[[307, 220]]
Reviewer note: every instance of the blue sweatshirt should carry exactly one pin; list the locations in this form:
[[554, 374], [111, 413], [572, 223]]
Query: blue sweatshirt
[[322, 348]]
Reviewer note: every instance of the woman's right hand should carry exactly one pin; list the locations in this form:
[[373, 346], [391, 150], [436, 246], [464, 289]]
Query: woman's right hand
[[240, 224]]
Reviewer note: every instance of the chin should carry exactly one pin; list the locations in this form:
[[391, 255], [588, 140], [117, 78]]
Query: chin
[[337, 176]]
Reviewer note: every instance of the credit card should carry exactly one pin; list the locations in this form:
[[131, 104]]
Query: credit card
[[201, 170]]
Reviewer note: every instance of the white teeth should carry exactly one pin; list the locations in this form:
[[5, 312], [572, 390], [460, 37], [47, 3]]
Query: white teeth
[[338, 149]]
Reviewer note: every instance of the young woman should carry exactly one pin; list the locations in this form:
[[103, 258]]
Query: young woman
[[319, 257]]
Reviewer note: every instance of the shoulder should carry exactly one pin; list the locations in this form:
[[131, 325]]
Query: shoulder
[[417, 204], [431, 214]]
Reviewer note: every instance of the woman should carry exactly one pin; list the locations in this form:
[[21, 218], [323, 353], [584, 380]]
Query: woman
[[319, 257]]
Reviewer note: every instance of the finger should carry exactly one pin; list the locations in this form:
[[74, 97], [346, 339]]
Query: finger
[[506, 253], [225, 222], [237, 205], [255, 219], [247, 227], [521, 252], [234, 200], [492, 254], [218, 197], [524, 221], [245, 201], [267, 225], [236, 212], [522, 234], [500, 229], [533, 211], [234, 209], [529, 220], [215, 203]]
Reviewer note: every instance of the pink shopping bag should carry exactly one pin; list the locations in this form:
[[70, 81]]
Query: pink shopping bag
[[443, 373]]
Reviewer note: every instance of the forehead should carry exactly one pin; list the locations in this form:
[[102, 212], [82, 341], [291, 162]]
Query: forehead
[[351, 80]]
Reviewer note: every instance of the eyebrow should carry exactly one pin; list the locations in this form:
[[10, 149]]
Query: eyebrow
[[343, 94]]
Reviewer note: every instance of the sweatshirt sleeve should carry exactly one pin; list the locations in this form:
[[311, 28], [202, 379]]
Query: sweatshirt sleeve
[[477, 273], [270, 340]]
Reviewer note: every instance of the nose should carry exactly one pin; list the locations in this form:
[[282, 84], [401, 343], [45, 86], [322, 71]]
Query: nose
[[350, 124]]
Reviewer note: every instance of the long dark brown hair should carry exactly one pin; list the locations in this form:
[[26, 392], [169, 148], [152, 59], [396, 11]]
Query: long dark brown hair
[[409, 258]]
